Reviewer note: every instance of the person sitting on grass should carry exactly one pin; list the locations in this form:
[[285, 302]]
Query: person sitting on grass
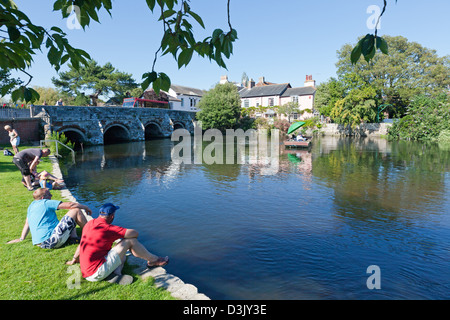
[[46, 231], [98, 261], [44, 176]]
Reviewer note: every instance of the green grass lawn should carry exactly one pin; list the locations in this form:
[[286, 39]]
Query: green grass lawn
[[31, 273]]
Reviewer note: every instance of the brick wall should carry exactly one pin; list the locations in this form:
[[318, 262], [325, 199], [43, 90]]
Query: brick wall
[[28, 130]]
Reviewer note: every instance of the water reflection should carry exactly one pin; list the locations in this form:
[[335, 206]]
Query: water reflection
[[326, 214]]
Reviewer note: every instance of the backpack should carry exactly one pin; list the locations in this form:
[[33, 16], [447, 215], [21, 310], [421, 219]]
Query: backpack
[[6, 152]]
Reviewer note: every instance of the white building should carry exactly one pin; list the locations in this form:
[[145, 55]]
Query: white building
[[184, 98], [266, 94]]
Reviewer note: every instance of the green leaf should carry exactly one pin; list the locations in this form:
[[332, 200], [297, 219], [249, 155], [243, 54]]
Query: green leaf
[[356, 53], [56, 29], [371, 54], [233, 34], [151, 4], [382, 45], [54, 56], [167, 14], [17, 94], [165, 81], [27, 95], [197, 18], [185, 57], [216, 34], [5, 88], [58, 5], [149, 78], [13, 33], [34, 95], [367, 43], [169, 4], [157, 86]]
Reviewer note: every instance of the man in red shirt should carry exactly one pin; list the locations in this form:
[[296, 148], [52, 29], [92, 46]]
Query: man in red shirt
[[98, 260]]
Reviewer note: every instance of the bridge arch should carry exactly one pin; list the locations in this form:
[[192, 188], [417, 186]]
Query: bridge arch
[[178, 125], [153, 130], [116, 133], [74, 135]]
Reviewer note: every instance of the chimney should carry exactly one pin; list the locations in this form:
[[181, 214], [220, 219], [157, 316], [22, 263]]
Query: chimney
[[261, 80], [251, 84], [223, 79], [309, 82]]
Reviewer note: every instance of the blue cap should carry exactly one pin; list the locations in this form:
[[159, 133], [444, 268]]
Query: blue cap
[[107, 209]]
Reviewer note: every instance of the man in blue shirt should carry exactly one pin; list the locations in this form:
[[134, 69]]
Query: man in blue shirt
[[46, 230]]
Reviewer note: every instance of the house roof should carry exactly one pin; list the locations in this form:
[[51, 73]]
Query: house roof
[[300, 91], [267, 90], [186, 90]]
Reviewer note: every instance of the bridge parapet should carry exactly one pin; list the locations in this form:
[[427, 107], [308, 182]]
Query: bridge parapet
[[95, 125]]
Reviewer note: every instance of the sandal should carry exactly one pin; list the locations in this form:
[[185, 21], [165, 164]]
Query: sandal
[[160, 262], [74, 240]]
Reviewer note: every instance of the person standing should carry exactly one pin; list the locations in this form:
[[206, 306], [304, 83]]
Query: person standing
[[14, 138], [27, 160]]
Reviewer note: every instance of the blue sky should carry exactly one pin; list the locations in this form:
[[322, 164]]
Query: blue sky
[[282, 40]]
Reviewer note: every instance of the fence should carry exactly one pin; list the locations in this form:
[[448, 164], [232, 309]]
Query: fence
[[42, 142]]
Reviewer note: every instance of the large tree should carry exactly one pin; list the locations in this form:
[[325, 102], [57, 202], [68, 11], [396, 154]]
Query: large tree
[[93, 80], [327, 94], [220, 107], [408, 70]]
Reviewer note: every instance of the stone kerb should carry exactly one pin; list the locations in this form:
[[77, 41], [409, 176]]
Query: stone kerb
[[177, 288]]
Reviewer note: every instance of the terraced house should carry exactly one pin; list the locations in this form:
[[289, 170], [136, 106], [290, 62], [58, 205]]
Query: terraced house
[[267, 94]]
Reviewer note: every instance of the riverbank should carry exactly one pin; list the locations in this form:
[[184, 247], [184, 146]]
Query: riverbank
[[31, 273], [177, 288]]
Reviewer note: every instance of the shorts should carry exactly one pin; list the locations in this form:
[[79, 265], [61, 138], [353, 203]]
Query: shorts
[[15, 142], [60, 234], [112, 262], [45, 184], [23, 167]]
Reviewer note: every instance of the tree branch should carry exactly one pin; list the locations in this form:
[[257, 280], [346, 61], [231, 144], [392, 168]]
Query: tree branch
[[31, 77], [379, 18], [228, 12]]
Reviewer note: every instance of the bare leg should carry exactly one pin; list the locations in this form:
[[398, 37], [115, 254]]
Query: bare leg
[[28, 182], [136, 248], [78, 216], [139, 251]]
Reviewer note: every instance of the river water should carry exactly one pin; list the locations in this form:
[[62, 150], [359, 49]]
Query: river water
[[347, 219]]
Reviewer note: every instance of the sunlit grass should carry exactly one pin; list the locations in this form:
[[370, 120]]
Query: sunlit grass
[[31, 273]]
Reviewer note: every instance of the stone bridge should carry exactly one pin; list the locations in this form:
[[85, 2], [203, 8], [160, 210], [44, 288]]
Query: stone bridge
[[102, 125]]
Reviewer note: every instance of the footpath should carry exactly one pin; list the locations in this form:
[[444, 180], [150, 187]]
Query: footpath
[[177, 288]]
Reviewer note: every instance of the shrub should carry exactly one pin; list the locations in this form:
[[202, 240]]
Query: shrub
[[427, 118], [61, 137]]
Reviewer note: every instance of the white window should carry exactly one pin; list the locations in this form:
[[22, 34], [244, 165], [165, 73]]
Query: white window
[[270, 102]]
